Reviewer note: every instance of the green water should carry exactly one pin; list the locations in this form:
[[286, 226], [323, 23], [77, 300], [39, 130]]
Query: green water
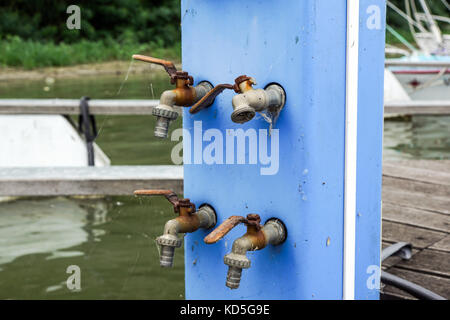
[[112, 239]]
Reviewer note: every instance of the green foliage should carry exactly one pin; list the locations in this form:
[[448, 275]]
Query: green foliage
[[34, 33], [14, 51], [135, 21]]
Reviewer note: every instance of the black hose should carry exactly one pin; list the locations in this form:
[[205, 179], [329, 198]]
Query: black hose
[[407, 286], [87, 125]]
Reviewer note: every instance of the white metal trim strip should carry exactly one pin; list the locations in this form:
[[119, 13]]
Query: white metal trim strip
[[351, 119]]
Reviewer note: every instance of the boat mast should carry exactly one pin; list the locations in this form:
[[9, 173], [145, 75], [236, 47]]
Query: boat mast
[[431, 22]]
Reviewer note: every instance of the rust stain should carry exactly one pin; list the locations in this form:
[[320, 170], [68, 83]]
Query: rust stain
[[168, 65], [254, 232], [223, 229], [209, 98], [152, 192], [172, 198], [185, 94]]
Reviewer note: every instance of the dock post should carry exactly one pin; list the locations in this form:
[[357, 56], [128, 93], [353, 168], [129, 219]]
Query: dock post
[[318, 167]]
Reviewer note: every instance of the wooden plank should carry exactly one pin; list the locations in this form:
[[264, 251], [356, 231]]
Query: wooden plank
[[417, 200], [415, 217], [443, 245], [72, 106], [420, 238], [428, 64], [417, 186], [416, 107], [427, 174], [114, 180], [436, 284], [428, 261], [434, 165]]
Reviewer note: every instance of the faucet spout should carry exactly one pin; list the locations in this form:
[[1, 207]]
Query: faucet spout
[[250, 101], [184, 94], [257, 237], [189, 220], [165, 113]]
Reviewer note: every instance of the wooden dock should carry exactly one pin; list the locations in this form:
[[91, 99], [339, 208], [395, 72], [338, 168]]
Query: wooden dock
[[416, 207], [81, 181]]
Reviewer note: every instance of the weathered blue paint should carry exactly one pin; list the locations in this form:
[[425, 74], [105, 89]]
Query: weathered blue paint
[[300, 45], [369, 163]]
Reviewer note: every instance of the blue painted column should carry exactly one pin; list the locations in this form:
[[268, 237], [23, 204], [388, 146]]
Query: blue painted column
[[302, 46]]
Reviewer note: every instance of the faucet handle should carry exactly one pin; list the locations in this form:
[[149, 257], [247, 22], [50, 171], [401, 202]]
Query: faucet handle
[[230, 223], [171, 196], [208, 99], [168, 65], [241, 84]]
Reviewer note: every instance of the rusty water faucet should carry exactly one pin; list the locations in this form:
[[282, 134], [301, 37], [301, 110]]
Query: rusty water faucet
[[248, 100], [189, 220], [257, 237], [184, 94]]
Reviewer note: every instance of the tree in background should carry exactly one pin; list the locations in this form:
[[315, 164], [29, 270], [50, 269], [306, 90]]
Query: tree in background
[[137, 21]]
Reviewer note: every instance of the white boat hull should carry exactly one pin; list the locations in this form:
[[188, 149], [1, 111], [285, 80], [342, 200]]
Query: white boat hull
[[43, 140]]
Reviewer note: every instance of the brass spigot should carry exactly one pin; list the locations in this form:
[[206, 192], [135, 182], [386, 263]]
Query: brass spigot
[[184, 94], [248, 101], [189, 220], [257, 238]]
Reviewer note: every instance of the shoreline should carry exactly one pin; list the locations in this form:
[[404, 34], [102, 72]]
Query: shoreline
[[91, 69]]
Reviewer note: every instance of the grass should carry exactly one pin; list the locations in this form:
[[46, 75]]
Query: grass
[[28, 54]]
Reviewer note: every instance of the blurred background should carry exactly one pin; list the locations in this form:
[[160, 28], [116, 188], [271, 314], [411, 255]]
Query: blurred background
[[112, 238]]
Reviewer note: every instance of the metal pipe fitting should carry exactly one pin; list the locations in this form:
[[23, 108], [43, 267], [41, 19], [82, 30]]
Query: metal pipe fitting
[[204, 218], [188, 221], [250, 101], [183, 95], [164, 113], [256, 238]]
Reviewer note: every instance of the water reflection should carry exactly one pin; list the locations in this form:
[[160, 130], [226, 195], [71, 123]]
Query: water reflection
[[111, 240], [41, 226], [420, 137]]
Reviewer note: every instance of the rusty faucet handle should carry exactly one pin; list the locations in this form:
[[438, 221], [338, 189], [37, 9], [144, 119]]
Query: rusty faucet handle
[[209, 98], [171, 196], [230, 223], [168, 65]]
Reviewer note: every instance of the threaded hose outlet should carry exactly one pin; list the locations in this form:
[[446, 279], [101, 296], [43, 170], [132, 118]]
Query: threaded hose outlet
[[243, 114], [166, 257], [163, 116], [168, 243], [233, 277], [235, 263], [162, 127]]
